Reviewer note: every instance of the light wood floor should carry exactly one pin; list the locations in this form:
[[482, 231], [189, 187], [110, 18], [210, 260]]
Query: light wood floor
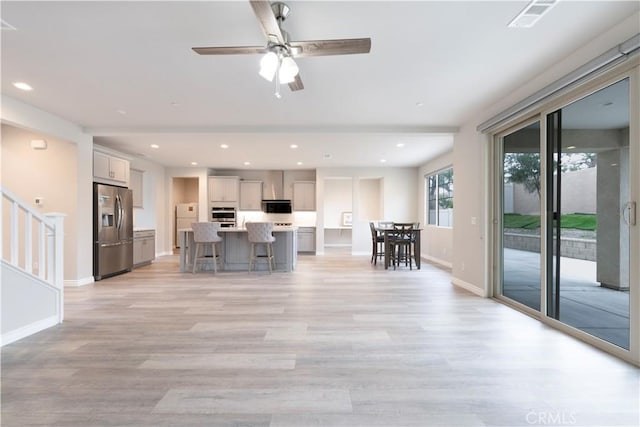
[[336, 343]]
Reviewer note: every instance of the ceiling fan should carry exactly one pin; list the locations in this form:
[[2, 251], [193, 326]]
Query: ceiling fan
[[279, 52]]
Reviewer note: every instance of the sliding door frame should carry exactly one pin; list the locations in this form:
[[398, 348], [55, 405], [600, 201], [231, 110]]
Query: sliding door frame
[[497, 267], [631, 70]]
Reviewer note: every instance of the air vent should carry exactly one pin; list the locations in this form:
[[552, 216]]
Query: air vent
[[4, 25], [532, 13]]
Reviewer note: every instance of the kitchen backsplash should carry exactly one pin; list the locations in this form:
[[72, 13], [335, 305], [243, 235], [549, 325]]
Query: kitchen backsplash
[[300, 219]]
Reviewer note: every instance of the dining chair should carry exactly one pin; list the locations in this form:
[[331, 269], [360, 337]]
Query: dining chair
[[260, 234], [385, 224], [401, 241], [205, 234], [377, 244]]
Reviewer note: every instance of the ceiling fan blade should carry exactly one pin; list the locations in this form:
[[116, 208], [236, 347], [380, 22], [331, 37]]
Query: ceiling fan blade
[[229, 50], [300, 49], [268, 21], [296, 84]]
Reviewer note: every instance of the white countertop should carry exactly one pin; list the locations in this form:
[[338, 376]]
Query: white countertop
[[244, 230]]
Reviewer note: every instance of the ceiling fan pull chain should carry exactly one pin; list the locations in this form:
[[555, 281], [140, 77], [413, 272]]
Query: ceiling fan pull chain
[[277, 79]]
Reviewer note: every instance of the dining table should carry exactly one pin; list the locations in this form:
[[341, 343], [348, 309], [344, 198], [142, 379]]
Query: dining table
[[386, 231]]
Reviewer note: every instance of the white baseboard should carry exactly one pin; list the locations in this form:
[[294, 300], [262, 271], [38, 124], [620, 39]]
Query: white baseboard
[[436, 261], [468, 286], [164, 253], [80, 282], [27, 330]]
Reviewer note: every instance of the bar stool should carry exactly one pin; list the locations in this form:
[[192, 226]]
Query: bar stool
[[260, 234], [204, 234]]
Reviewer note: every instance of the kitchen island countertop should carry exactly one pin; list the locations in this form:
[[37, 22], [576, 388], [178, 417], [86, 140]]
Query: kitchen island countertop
[[235, 249]]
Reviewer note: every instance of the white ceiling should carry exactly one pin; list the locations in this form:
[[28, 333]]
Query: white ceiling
[[87, 60]]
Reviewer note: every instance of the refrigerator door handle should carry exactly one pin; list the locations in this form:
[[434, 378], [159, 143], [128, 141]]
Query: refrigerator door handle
[[119, 209], [110, 245]]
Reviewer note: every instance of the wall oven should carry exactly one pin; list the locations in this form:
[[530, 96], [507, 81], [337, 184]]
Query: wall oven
[[225, 216]]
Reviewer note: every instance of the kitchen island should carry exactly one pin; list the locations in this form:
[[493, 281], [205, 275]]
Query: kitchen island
[[235, 249]]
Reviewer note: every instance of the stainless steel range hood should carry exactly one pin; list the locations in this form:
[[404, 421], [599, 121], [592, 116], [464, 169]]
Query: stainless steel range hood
[[273, 187], [273, 200]]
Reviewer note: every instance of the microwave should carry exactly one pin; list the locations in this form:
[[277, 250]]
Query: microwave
[[276, 206]]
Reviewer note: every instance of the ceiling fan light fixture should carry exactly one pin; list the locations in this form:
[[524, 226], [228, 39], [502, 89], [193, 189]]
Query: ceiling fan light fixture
[[269, 65], [288, 70]]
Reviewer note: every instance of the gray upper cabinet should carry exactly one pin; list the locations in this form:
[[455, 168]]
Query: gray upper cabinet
[[250, 195], [223, 188], [109, 169], [304, 196], [137, 186]]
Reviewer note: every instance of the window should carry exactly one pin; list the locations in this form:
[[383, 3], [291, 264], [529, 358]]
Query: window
[[440, 198]]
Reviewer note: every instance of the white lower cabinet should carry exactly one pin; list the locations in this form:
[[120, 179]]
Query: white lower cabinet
[[306, 239], [144, 247]]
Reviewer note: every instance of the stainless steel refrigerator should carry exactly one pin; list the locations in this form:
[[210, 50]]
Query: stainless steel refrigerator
[[112, 230]]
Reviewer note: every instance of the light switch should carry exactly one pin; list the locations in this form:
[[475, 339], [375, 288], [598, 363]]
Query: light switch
[[473, 220]]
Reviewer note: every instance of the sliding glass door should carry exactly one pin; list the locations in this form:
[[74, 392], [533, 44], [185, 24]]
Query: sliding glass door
[[588, 214], [566, 216]]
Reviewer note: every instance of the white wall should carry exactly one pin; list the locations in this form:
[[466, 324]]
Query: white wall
[[436, 243], [470, 202], [154, 198], [399, 199], [49, 174], [371, 206], [79, 266], [338, 198], [27, 307]]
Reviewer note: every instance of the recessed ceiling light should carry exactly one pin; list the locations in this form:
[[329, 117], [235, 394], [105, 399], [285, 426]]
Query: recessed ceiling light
[[224, 146], [614, 164], [327, 156], [571, 147], [293, 146], [154, 146], [194, 163], [399, 145], [247, 163], [419, 104], [383, 160], [299, 163], [23, 86], [121, 112], [175, 104]]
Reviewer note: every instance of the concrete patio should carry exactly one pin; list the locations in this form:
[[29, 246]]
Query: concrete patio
[[584, 304]]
